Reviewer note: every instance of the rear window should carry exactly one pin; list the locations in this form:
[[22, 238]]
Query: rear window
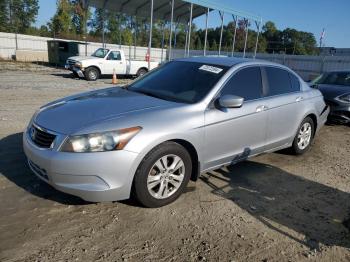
[[295, 83], [179, 81], [279, 82]]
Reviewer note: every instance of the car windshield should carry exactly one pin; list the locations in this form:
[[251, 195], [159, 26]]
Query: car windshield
[[333, 78], [101, 53], [179, 81]]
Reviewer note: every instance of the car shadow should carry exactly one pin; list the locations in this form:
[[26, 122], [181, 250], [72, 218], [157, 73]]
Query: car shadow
[[70, 75], [285, 202], [13, 165]]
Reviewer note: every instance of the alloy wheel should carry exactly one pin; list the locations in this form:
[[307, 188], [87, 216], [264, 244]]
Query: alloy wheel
[[166, 176], [304, 136]]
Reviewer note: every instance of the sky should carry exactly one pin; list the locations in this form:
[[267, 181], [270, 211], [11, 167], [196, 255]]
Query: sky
[[305, 15]]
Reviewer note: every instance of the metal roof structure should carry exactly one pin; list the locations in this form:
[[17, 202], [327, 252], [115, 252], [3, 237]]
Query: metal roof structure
[[178, 11], [162, 8]]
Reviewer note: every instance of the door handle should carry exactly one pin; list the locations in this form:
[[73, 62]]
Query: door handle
[[299, 98], [261, 108]]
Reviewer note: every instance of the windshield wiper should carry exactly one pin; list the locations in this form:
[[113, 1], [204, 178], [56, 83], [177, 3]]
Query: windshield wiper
[[147, 93]]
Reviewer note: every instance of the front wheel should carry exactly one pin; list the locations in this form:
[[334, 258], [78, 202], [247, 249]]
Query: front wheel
[[304, 137], [162, 175], [91, 74]]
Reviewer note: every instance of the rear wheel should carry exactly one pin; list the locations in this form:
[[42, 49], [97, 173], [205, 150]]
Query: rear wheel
[[304, 137], [91, 74], [163, 175], [141, 72]]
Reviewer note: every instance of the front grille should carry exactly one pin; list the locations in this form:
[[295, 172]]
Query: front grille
[[41, 138], [70, 62]]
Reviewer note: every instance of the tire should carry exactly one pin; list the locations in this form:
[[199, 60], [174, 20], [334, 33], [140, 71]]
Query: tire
[[141, 72], [151, 187], [91, 74], [299, 147]]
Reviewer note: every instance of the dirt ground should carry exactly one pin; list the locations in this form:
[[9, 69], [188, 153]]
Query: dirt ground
[[275, 207]]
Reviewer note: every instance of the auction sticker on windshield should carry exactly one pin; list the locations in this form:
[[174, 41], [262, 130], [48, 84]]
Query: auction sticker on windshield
[[211, 69]]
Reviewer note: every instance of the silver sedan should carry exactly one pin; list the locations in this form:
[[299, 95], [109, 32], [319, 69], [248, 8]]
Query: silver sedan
[[184, 118]]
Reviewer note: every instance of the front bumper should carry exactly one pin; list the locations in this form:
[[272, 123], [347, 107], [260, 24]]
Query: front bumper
[[340, 112], [74, 69], [94, 177]]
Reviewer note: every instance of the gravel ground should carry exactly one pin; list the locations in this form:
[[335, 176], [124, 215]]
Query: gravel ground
[[275, 207]]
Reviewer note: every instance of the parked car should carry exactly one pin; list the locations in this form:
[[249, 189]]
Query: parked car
[[335, 87], [184, 118], [104, 62]]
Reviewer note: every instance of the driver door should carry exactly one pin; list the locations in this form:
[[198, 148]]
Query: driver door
[[114, 62], [233, 134]]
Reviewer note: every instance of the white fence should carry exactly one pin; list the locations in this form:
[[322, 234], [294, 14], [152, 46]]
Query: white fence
[[306, 66], [9, 44]]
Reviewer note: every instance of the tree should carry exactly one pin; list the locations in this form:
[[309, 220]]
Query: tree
[[61, 22], [17, 15], [4, 16], [80, 16]]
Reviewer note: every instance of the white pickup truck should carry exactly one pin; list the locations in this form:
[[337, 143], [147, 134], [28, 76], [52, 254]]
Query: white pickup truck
[[104, 62]]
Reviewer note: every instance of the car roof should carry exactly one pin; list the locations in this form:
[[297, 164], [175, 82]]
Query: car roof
[[220, 60]]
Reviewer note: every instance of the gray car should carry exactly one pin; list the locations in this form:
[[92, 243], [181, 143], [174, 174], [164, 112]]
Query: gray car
[[184, 118], [335, 87]]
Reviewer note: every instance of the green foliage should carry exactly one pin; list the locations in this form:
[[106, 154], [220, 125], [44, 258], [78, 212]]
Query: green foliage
[[61, 23], [17, 15], [289, 41]]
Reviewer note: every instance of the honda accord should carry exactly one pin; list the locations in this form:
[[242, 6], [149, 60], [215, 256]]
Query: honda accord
[[189, 116]]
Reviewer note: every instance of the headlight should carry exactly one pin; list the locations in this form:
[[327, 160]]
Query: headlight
[[78, 64], [344, 98], [100, 142]]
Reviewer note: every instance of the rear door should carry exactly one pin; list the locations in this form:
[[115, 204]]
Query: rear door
[[284, 101], [233, 134]]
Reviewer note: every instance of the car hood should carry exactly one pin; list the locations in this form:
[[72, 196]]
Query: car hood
[[332, 91], [83, 58], [72, 114]]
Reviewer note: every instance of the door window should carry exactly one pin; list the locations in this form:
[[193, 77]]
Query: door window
[[279, 82], [245, 83], [114, 55]]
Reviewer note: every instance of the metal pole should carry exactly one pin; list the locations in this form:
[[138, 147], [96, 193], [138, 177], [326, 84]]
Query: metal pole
[[135, 36], [120, 31], [246, 37], [150, 37], [235, 18], [257, 37], [103, 29], [162, 45], [186, 40], [175, 35], [189, 31], [222, 29], [206, 33], [171, 28], [130, 27]]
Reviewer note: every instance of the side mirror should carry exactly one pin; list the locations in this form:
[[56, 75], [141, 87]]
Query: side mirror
[[231, 101]]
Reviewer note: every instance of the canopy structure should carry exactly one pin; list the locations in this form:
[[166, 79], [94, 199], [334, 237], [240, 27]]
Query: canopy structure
[[179, 11]]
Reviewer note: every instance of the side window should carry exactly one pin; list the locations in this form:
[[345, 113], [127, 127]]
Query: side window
[[245, 83], [295, 83], [114, 55], [279, 81]]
